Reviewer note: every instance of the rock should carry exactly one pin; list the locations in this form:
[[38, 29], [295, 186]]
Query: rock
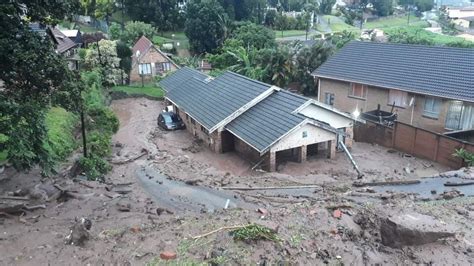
[[79, 232], [135, 229], [262, 211], [337, 214], [168, 255], [412, 229], [124, 205], [433, 191], [37, 193], [451, 194]]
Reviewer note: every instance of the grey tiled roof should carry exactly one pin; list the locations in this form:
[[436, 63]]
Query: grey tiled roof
[[211, 101], [437, 71], [178, 78], [269, 120]]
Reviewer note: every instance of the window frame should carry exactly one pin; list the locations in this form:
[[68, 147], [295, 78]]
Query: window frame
[[403, 105], [432, 112], [364, 88], [329, 98], [140, 67]]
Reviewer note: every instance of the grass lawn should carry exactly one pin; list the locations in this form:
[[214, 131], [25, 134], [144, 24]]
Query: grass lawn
[[60, 125], [395, 21], [149, 90], [337, 24], [167, 37], [289, 33]]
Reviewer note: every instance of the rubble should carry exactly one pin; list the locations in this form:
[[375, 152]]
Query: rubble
[[451, 194], [79, 233], [412, 229]]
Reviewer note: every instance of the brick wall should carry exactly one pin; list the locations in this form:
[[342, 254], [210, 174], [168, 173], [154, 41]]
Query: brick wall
[[247, 152], [375, 96], [152, 56]]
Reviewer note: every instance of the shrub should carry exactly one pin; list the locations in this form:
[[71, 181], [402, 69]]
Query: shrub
[[103, 119], [98, 144], [94, 167], [467, 157], [60, 125]]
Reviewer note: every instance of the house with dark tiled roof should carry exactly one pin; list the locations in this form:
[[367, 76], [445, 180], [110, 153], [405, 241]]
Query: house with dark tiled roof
[[263, 123], [148, 61], [425, 86], [65, 47]]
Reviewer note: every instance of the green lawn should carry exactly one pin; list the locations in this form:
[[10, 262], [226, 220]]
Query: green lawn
[[421, 33], [395, 21], [167, 37], [289, 33], [149, 90], [337, 24]]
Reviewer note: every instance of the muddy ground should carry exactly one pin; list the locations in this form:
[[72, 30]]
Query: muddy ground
[[172, 192]]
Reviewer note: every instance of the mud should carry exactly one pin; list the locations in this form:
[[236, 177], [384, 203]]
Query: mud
[[309, 232]]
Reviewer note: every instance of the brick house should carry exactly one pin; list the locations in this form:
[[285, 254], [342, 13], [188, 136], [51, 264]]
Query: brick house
[[65, 47], [263, 123], [425, 86], [150, 61]]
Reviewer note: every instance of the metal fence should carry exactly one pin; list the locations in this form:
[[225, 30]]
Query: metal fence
[[415, 141]]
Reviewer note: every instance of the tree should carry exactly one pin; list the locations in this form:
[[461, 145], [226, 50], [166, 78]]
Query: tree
[[325, 6], [307, 60], [203, 27], [125, 54], [163, 14], [383, 7], [103, 56], [281, 23], [270, 18], [245, 63], [104, 9], [277, 65], [256, 36], [135, 29], [244, 10], [34, 76]]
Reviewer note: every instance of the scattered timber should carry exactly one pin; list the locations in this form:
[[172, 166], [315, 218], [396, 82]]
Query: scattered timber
[[386, 183], [270, 188], [458, 184]]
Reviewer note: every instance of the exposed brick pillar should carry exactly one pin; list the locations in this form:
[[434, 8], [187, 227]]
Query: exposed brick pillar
[[218, 142], [331, 149], [302, 153], [272, 161], [349, 137]]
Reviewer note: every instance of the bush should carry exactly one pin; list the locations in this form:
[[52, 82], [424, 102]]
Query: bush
[[99, 144], [94, 167], [103, 119], [60, 125]]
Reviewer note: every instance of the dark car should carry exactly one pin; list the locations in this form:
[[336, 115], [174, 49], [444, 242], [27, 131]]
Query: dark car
[[170, 121]]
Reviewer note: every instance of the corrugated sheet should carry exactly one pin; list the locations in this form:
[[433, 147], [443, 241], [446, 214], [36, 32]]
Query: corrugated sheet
[[438, 71]]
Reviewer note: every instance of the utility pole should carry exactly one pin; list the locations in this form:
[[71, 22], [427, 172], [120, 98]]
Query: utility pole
[[83, 127]]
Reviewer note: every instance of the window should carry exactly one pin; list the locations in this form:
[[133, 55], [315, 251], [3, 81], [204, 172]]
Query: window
[[305, 134], [432, 107], [144, 69], [329, 98], [358, 91], [166, 66], [399, 98], [460, 116]]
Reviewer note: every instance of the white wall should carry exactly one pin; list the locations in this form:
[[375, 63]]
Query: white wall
[[327, 116], [295, 139]]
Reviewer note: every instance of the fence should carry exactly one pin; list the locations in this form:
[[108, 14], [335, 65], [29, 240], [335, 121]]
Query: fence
[[415, 141]]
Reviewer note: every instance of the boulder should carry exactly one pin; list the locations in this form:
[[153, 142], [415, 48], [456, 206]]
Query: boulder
[[412, 229]]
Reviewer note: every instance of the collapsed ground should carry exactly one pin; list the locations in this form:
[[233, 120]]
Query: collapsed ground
[[161, 193]]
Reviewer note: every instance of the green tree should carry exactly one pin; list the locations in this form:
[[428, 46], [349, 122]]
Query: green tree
[[253, 35], [135, 29], [104, 9], [203, 27], [34, 76], [103, 56], [277, 65], [307, 60], [125, 54], [270, 18], [163, 14], [245, 63], [281, 23], [383, 8], [325, 6]]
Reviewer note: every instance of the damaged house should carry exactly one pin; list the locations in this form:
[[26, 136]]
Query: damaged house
[[263, 123]]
